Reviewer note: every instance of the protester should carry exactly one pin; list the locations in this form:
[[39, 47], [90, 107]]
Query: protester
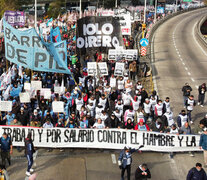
[[125, 161], [6, 149], [29, 150], [186, 93], [201, 94], [142, 172], [203, 145], [196, 172]]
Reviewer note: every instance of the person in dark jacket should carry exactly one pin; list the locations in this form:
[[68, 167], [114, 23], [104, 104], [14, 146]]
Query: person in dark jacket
[[186, 92], [201, 94], [142, 172], [129, 124], [157, 126], [125, 161], [23, 117], [196, 173], [112, 122], [204, 121], [29, 150], [203, 144]]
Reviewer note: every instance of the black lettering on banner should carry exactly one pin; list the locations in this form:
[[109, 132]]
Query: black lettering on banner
[[66, 132], [18, 135], [25, 40], [145, 138], [134, 139], [124, 138], [32, 132], [39, 57], [10, 51], [151, 139], [180, 138], [172, 140], [36, 40], [50, 62], [190, 142], [72, 135], [40, 131], [7, 33], [14, 38], [49, 133], [99, 136], [57, 135], [21, 58], [8, 131]]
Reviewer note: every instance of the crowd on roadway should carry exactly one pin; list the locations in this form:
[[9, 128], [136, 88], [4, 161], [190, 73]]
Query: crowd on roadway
[[95, 102]]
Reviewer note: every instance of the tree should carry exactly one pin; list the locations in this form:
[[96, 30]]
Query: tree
[[55, 8]]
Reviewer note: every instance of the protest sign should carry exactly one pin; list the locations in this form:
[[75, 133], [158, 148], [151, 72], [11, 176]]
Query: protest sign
[[98, 33], [5, 106], [92, 68], [27, 86], [27, 49], [102, 138], [46, 93], [119, 69], [36, 85], [103, 69], [58, 106], [24, 97], [131, 54], [112, 54], [15, 18]]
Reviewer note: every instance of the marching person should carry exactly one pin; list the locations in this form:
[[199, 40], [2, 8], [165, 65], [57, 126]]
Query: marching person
[[186, 92], [196, 173], [190, 103], [203, 144], [125, 161], [142, 172], [201, 94], [6, 149], [29, 150]]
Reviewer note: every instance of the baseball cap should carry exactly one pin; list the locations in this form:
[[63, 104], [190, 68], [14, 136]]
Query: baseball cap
[[141, 120]]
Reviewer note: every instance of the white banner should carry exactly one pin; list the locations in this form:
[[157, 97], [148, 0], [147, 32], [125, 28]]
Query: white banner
[[112, 54], [24, 97], [27, 86], [5, 105], [103, 69], [119, 69], [102, 138], [92, 68], [119, 54]]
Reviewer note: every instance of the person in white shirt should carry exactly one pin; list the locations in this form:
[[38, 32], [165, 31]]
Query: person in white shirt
[[138, 86], [135, 103], [166, 104], [118, 114], [129, 113], [119, 105], [98, 111], [103, 101], [190, 103], [113, 81], [159, 109], [47, 124], [120, 84], [99, 124], [167, 118], [92, 100], [91, 109], [79, 103], [126, 97], [103, 116], [147, 109], [128, 86]]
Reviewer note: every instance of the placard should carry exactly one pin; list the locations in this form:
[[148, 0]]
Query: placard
[[37, 85], [59, 89], [119, 69], [112, 54], [92, 69], [131, 54], [24, 97], [103, 69], [27, 86], [58, 106], [5, 106], [46, 93]]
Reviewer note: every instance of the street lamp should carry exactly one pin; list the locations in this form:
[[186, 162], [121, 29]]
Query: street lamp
[[80, 9], [35, 15], [145, 9], [155, 14]]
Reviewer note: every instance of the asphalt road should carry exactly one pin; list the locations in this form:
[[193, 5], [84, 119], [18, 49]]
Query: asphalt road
[[179, 58]]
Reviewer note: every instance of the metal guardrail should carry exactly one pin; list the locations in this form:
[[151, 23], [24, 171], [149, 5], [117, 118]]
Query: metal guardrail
[[198, 33]]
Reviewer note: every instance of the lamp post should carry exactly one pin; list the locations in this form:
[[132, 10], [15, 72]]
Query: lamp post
[[155, 15], [80, 9], [35, 14]]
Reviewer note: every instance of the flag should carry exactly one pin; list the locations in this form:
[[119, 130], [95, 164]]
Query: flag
[[55, 35], [6, 93], [49, 21], [62, 88], [20, 72]]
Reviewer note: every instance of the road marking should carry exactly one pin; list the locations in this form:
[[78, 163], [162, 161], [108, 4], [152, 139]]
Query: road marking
[[192, 79], [186, 68], [193, 33], [189, 73], [113, 157], [196, 87], [183, 63]]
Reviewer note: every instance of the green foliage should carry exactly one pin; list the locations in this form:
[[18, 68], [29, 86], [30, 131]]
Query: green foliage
[[55, 8]]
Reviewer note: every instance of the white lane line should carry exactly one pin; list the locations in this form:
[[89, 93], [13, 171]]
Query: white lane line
[[193, 33], [186, 68], [189, 73], [113, 157], [183, 63], [196, 87], [192, 80]]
